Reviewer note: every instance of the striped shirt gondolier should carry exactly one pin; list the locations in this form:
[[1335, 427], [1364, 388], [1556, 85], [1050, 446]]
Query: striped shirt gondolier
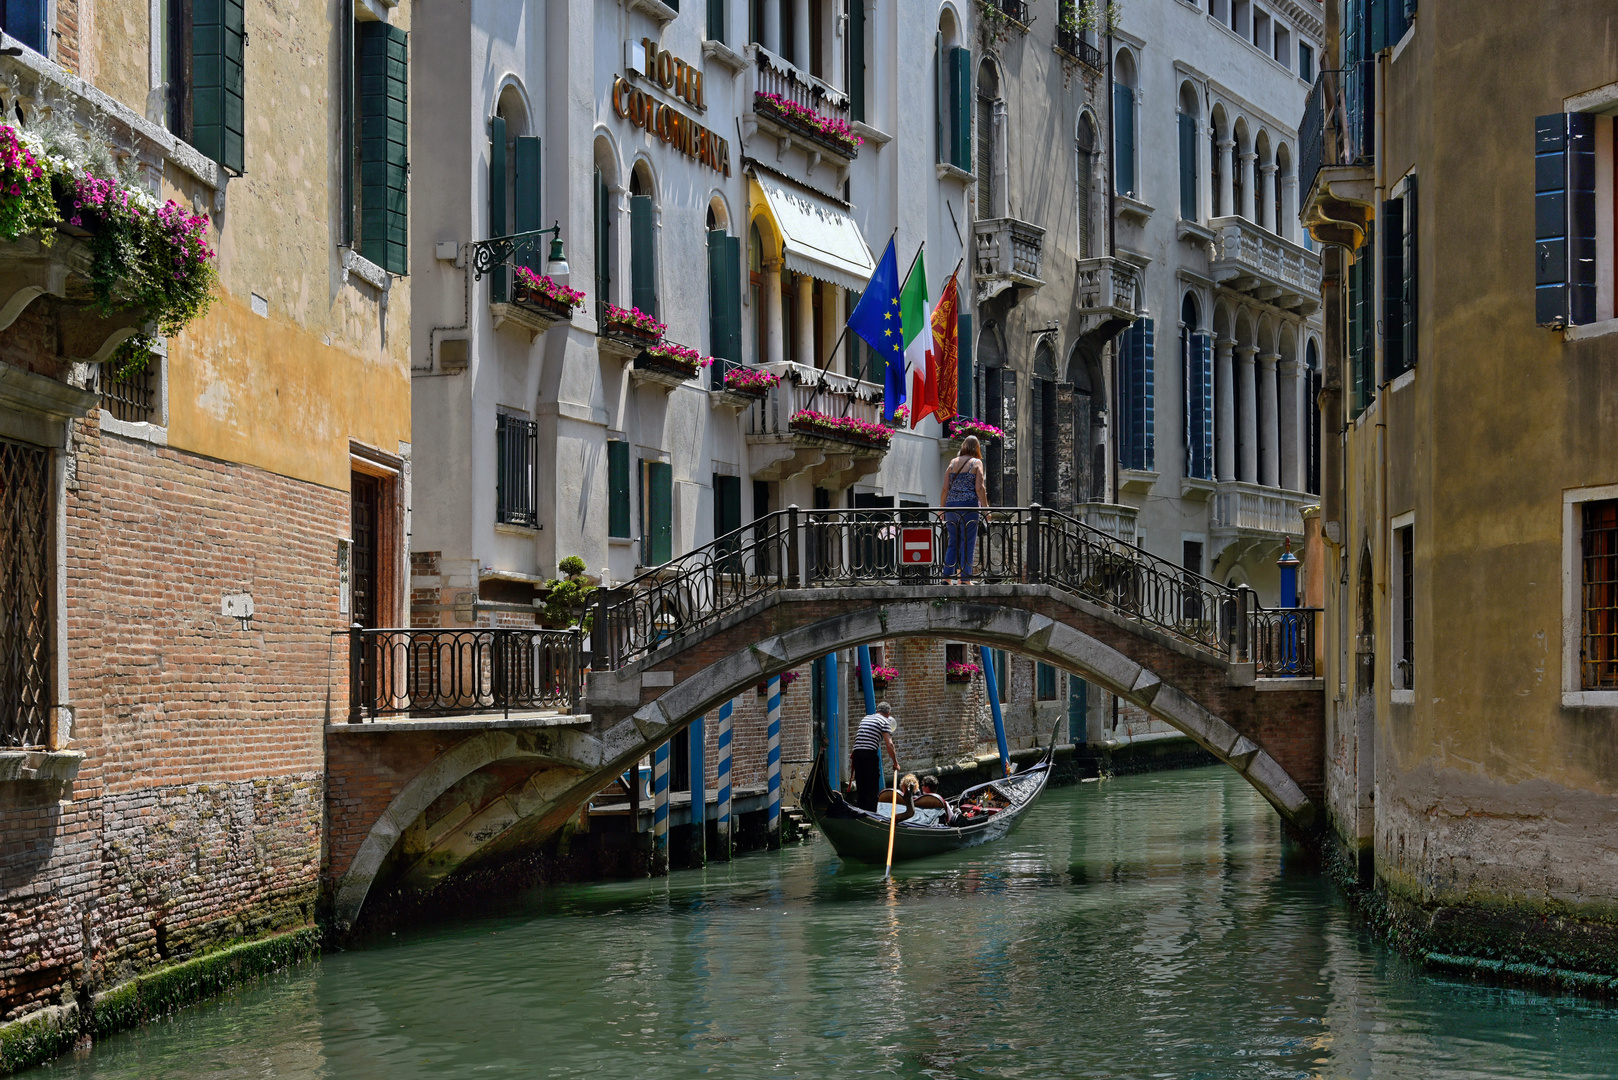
[[872, 728]]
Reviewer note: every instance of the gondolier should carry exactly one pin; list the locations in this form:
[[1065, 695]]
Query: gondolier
[[875, 732]]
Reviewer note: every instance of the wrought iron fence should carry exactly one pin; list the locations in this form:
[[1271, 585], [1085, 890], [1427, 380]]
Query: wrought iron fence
[[1339, 121], [25, 594], [443, 672], [1074, 44], [1284, 641], [130, 397]]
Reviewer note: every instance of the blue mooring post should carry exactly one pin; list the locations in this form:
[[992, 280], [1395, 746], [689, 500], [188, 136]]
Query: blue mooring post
[[698, 734], [772, 760], [660, 810], [834, 724], [1288, 563], [994, 707], [865, 679], [722, 774]]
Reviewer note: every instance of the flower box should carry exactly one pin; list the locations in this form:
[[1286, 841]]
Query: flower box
[[826, 131], [668, 364], [787, 679], [544, 292], [841, 428], [960, 673], [750, 381], [959, 427]]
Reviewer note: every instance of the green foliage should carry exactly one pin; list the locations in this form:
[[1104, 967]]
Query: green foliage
[[571, 565], [567, 599]]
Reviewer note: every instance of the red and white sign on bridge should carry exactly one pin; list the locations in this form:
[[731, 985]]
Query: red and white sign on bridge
[[916, 545]]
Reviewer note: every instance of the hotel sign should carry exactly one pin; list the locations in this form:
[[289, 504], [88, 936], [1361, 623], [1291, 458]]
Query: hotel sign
[[681, 80]]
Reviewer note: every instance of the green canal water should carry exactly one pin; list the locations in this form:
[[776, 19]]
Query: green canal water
[[1140, 927]]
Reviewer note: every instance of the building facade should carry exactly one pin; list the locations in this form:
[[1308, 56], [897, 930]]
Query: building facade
[[1469, 515], [181, 540]]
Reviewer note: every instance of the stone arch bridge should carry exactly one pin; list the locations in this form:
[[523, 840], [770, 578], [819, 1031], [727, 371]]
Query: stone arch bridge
[[424, 798]]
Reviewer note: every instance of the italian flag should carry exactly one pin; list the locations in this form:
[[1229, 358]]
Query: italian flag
[[916, 324]]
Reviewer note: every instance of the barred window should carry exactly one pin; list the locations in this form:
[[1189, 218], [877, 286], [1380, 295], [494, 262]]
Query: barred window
[[132, 397], [516, 445], [1598, 650], [1045, 682], [25, 592]]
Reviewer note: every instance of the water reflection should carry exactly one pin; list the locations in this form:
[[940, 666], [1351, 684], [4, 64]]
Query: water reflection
[[1138, 928]]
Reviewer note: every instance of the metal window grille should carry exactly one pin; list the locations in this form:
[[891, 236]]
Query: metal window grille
[[1046, 682], [25, 608], [517, 442], [1599, 647], [1407, 607], [132, 397]]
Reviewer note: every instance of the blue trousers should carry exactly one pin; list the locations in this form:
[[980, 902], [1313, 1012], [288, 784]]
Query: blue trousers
[[961, 538]]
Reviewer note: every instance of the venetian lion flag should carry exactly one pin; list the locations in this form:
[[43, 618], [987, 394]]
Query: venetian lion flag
[[944, 360], [913, 307]]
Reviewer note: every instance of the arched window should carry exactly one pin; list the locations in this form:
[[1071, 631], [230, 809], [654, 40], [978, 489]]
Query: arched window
[[1196, 362], [1124, 179], [513, 184], [989, 136], [755, 289], [724, 293], [1189, 210], [1311, 412], [999, 397], [1238, 171], [1083, 177], [642, 241], [1046, 448]]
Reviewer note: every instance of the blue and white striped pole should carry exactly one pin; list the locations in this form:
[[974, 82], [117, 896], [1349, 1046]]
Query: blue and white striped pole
[[697, 733], [660, 810], [773, 761], [722, 775]]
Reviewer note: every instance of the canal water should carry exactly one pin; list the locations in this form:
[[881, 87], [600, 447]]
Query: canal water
[[1138, 927]]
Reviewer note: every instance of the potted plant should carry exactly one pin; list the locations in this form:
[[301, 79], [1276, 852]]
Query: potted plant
[[787, 679], [751, 381], [845, 428], [829, 131], [882, 676], [961, 672], [678, 359], [567, 598], [631, 323], [959, 427], [544, 292]]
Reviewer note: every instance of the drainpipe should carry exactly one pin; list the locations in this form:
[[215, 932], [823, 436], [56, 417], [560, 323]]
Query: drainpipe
[[1112, 252], [1381, 516]]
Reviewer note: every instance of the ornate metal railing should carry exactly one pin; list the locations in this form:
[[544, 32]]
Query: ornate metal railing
[[793, 548], [445, 672]]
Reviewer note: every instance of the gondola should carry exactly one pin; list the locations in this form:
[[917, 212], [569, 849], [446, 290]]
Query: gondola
[[863, 836]]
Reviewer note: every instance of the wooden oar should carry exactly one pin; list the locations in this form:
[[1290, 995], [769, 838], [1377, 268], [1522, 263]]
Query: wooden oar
[[893, 824]]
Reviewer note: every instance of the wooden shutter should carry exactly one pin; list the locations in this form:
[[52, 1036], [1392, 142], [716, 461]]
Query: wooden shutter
[[856, 60], [218, 36], [940, 100], [1008, 446], [603, 239], [1188, 167], [617, 488], [716, 20], [727, 518], [1581, 217], [384, 146], [1123, 148], [497, 201], [1354, 359], [1409, 284], [525, 199], [961, 100], [964, 381], [1199, 406], [25, 21], [657, 543], [718, 308], [643, 254], [1393, 293], [733, 299]]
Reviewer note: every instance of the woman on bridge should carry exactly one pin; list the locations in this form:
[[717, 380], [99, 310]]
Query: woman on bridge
[[963, 487]]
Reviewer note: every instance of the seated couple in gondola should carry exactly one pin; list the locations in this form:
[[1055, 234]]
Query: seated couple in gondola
[[919, 802]]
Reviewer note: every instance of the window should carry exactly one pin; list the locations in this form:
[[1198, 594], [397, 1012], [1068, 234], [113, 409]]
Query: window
[[1196, 355], [952, 103], [516, 447], [1283, 46], [727, 518], [1137, 443], [1045, 682], [855, 40], [25, 21], [1399, 282], [1311, 412], [603, 238], [1188, 156], [1361, 341], [724, 303], [200, 63], [716, 21], [755, 291], [987, 135], [1083, 178], [1575, 231], [1002, 673], [26, 588], [1261, 30], [1306, 62], [657, 513], [618, 489], [642, 244], [1598, 557], [954, 653], [1123, 128], [131, 397], [381, 148], [1404, 605]]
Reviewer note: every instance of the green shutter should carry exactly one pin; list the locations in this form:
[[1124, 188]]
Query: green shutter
[[657, 510], [940, 101], [718, 308], [967, 377], [526, 197], [603, 239], [1123, 146], [497, 201], [1188, 167], [1410, 272], [617, 488], [856, 60], [716, 20], [384, 145], [218, 36], [643, 254], [733, 298], [1393, 297], [727, 518], [961, 93]]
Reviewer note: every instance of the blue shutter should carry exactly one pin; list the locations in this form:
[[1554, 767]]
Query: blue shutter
[[1188, 167], [1376, 17], [1148, 382], [1581, 217], [25, 21], [384, 145], [965, 380], [525, 199], [1199, 407], [218, 37], [1393, 292], [1123, 148], [1551, 277], [497, 201], [1139, 406]]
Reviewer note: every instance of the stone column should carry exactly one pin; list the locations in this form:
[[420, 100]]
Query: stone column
[[1289, 207], [805, 328], [1292, 451], [772, 27], [1247, 470], [774, 333], [1224, 411], [1266, 192], [1227, 177], [1249, 184], [800, 35], [1269, 461]]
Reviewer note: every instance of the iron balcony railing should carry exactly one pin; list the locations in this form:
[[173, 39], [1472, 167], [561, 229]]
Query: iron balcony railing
[[1074, 44], [1339, 121], [456, 671], [793, 548]]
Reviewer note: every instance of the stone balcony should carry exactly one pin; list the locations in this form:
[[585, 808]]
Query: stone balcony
[[1114, 519], [1008, 255], [1250, 259], [777, 451], [768, 73], [1256, 516]]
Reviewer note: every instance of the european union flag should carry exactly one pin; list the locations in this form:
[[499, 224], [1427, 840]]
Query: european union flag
[[876, 321]]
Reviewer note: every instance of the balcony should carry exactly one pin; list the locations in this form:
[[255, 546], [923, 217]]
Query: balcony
[[779, 450], [1336, 137], [1107, 289], [1114, 519], [1072, 43], [1255, 516], [1008, 255], [1252, 260], [770, 77]]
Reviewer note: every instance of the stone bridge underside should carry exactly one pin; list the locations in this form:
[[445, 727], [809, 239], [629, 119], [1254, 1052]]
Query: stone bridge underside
[[513, 789]]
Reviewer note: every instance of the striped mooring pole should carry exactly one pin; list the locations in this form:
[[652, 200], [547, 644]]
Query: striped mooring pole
[[660, 810], [697, 733], [773, 761], [722, 776]]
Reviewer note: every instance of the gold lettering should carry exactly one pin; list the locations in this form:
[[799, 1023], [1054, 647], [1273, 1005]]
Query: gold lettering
[[724, 154], [680, 68], [665, 70], [650, 61], [695, 96], [637, 109], [618, 105]]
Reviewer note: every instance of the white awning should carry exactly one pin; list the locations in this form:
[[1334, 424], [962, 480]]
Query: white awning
[[818, 238]]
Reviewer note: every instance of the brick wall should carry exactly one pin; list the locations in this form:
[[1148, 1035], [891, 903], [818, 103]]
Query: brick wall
[[196, 816]]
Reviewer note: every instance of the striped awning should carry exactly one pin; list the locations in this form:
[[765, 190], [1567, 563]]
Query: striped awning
[[818, 237]]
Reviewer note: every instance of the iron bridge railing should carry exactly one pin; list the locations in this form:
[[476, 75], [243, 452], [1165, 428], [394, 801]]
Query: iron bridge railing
[[794, 548], [451, 671]]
